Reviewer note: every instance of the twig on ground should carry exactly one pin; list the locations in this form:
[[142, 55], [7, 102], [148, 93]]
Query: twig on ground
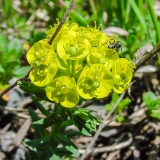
[[113, 147], [20, 103], [4, 129], [22, 132], [20, 135], [112, 155], [14, 112], [147, 56]]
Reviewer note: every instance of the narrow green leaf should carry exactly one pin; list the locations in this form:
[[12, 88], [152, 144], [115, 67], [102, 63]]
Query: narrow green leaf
[[31, 155], [73, 150], [81, 126], [68, 144], [41, 108], [34, 145], [91, 126], [33, 114], [33, 89], [73, 133], [3, 44], [3, 50], [2, 70], [55, 157], [45, 122], [41, 132], [154, 19], [66, 123], [139, 15]]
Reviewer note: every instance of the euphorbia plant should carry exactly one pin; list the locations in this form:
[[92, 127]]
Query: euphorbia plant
[[71, 65], [78, 65]]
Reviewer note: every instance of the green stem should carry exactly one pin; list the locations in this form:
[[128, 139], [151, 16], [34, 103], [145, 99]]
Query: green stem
[[69, 67], [154, 20], [139, 15], [56, 127], [71, 64], [41, 108], [123, 19], [73, 67], [93, 8]]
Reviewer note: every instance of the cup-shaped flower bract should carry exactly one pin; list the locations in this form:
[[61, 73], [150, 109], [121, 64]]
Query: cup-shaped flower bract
[[73, 47], [93, 35], [42, 58], [122, 73], [102, 55], [63, 90], [65, 30], [96, 81]]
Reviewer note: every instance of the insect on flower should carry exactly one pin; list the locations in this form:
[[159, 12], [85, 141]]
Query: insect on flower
[[114, 45]]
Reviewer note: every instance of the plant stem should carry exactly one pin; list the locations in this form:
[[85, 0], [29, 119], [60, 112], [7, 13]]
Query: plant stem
[[93, 9], [123, 14], [139, 15], [154, 20], [56, 127]]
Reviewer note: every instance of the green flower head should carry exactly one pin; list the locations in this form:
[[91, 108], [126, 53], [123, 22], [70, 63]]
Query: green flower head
[[96, 81], [63, 90], [42, 58]]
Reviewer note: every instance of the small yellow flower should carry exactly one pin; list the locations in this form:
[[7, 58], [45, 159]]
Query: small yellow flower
[[65, 30], [63, 90], [42, 58], [122, 74], [73, 47], [93, 35], [102, 55], [96, 81]]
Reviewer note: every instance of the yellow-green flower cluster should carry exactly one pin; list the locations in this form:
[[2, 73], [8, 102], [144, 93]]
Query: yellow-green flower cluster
[[78, 63]]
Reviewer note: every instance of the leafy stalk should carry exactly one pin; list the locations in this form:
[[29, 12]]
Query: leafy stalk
[[139, 15], [56, 127], [93, 9], [154, 20]]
